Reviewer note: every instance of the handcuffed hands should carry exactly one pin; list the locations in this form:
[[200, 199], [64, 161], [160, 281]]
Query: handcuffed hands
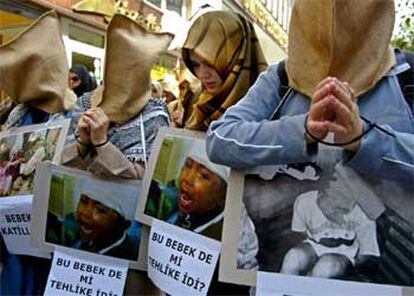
[[334, 109], [93, 127]]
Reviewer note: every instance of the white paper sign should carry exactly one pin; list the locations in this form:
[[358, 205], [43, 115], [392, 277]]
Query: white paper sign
[[288, 285], [181, 262], [80, 273], [15, 214]]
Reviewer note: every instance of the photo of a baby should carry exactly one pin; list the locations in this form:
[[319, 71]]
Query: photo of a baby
[[93, 214], [186, 189], [182, 186]]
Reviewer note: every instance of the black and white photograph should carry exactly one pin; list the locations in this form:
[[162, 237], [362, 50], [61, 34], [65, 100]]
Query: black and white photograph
[[316, 220]]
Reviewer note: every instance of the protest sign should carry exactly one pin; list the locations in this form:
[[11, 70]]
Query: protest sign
[[182, 186], [82, 211], [322, 220], [15, 214], [73, 272], [286, 285], [181, 262], [22, 148]]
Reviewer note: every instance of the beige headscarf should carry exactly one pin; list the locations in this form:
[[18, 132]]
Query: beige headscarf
[[228, 42], [34, 68], [131, 52], [347, 39], [170, 84]]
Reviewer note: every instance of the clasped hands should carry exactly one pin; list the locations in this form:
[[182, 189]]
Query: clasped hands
[[333, 109], [93, 127]]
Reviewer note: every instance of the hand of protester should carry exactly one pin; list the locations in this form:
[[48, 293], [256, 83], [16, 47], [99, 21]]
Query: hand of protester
[[84, 131], [320, 112], [347, 124], [98, 125], [334, 109]]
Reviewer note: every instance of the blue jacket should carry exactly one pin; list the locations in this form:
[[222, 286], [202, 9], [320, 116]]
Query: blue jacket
[[247, 136]]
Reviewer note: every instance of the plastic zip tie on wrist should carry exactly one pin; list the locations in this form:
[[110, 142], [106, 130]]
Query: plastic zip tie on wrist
[[101, 144], [371, 125]]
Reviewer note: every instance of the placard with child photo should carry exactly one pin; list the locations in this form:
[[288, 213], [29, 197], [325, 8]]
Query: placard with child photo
[[320, 220], [79, 210], [21, 149], [182, 186]]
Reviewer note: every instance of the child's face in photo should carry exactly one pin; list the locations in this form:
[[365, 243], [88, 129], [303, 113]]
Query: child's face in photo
[[97, 222], [200, 190], [337, 201]]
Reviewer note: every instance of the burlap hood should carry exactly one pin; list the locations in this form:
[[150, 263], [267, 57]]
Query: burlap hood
[[34, 68], [347, 39], [131, 52]]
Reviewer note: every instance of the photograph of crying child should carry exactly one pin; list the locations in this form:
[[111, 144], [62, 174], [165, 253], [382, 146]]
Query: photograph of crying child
[[92, 214], [19, 154], [186, 188], [328, 223]]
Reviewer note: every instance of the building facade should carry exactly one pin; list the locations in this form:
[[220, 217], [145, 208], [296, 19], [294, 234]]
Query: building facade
[[271, 19], [84, 22], [83, 25]]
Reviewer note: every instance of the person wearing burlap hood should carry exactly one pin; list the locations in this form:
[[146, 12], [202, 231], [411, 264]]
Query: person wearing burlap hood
[[118, 122], [34, 75], [342, 78], [223, 52]]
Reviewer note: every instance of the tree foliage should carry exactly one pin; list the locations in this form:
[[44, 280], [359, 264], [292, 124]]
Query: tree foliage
[[404, 38]]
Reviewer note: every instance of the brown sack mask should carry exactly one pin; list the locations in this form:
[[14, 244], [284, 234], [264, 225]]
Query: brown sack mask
[[34, 68], [347, 39], [131, 52]]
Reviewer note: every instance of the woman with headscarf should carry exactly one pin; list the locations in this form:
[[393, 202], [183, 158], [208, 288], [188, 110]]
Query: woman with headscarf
[[223, 52], [80, 81], [156, 89], [35, 78], [170, 89]]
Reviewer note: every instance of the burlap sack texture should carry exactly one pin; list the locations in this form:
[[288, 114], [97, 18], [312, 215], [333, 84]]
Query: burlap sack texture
[[34, 68], [131, 52], [347, 39]]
